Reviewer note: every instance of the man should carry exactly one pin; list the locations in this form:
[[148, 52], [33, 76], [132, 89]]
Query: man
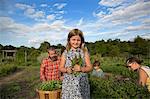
[[49, 66]]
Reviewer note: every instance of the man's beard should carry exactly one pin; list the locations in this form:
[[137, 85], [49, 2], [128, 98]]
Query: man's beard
[[54, 58]]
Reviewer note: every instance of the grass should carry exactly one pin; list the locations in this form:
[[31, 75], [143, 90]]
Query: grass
[[7, 69], [23, 87]]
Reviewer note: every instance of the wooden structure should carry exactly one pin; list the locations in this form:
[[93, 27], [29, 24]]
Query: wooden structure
[[9, 54], [56, 94]]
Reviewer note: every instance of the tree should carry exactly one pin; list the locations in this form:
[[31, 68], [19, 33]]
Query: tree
[[44, 46], [33, 55], [1, 47], [59, 46], [114, 51], [140, 46]]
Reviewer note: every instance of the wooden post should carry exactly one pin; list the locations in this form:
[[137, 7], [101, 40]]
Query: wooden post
[[14, 55], [3, 54], [6, 56], [25, 57]]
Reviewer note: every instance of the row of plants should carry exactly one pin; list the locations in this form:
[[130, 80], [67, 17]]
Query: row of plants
[[111, 88], [122, 83], [106, 88], [9, 91], [99, 88], [7, 69], [114, 65], [119, 70], [22, 86]]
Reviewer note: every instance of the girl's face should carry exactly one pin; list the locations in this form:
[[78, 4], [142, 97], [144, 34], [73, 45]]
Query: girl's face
[[75, 41], [96, 67], [133, 66]]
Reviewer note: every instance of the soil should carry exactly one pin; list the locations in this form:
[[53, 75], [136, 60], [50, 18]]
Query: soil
[[9, 78], [20, 85]]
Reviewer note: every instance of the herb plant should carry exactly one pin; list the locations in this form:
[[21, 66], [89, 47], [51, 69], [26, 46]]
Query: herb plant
[[50, 85]]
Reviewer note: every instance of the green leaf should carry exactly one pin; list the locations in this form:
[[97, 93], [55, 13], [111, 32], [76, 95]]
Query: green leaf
[[50, 85]]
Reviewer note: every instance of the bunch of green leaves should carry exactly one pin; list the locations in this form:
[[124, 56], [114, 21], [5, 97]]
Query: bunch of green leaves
[[50, 85], [76, 61]]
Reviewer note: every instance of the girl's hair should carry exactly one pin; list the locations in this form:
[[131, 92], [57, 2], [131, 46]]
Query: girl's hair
[[133, 59], [96, 63], [75, 32]]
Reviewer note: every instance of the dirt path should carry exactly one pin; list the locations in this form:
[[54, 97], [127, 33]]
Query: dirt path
[[9, 78], [21, 84]]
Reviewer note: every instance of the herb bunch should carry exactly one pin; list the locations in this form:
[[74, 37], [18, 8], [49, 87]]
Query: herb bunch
[[76, 61], [50, 85]]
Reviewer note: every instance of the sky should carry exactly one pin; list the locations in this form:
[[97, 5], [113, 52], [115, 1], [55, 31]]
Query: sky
[[31, 22]]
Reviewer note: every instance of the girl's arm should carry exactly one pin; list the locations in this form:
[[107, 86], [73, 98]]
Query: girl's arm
[[142, 77], [62, 65], [88, 66]]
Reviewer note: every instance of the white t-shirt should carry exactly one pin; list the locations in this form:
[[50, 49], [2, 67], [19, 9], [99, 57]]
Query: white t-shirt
[[146, 69]]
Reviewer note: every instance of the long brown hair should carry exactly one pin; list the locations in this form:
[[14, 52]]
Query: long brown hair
[[133, 59], [75, 32]]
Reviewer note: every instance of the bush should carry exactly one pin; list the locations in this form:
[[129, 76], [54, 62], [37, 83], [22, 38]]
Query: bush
[[41, 57], [7, 69], [112, 88]]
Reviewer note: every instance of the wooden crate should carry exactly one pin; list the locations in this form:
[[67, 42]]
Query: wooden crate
[[56, 94]]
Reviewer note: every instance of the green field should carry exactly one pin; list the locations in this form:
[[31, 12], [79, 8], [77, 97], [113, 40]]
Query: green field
[[21, 82]]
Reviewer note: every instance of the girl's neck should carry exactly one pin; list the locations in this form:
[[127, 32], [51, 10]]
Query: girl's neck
[[97, 68], [74, 49], [139, 66]]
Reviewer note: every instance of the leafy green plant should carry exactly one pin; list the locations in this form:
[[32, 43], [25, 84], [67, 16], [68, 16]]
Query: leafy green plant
[[9, 90], [76, 61], [50, 85], [112, 88], [8, 69]]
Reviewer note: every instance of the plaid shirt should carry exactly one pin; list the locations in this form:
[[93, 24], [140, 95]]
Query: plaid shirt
[[49, 70]]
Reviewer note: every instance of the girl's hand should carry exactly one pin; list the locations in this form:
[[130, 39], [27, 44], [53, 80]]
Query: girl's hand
[[61, 78], [77, 68], [69, 70]]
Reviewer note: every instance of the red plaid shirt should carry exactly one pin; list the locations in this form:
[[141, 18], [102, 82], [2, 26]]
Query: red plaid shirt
[[49, 70]]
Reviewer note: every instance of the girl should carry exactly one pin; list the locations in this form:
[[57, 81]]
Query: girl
[[75, 87], [143, 71], [97, 71]]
